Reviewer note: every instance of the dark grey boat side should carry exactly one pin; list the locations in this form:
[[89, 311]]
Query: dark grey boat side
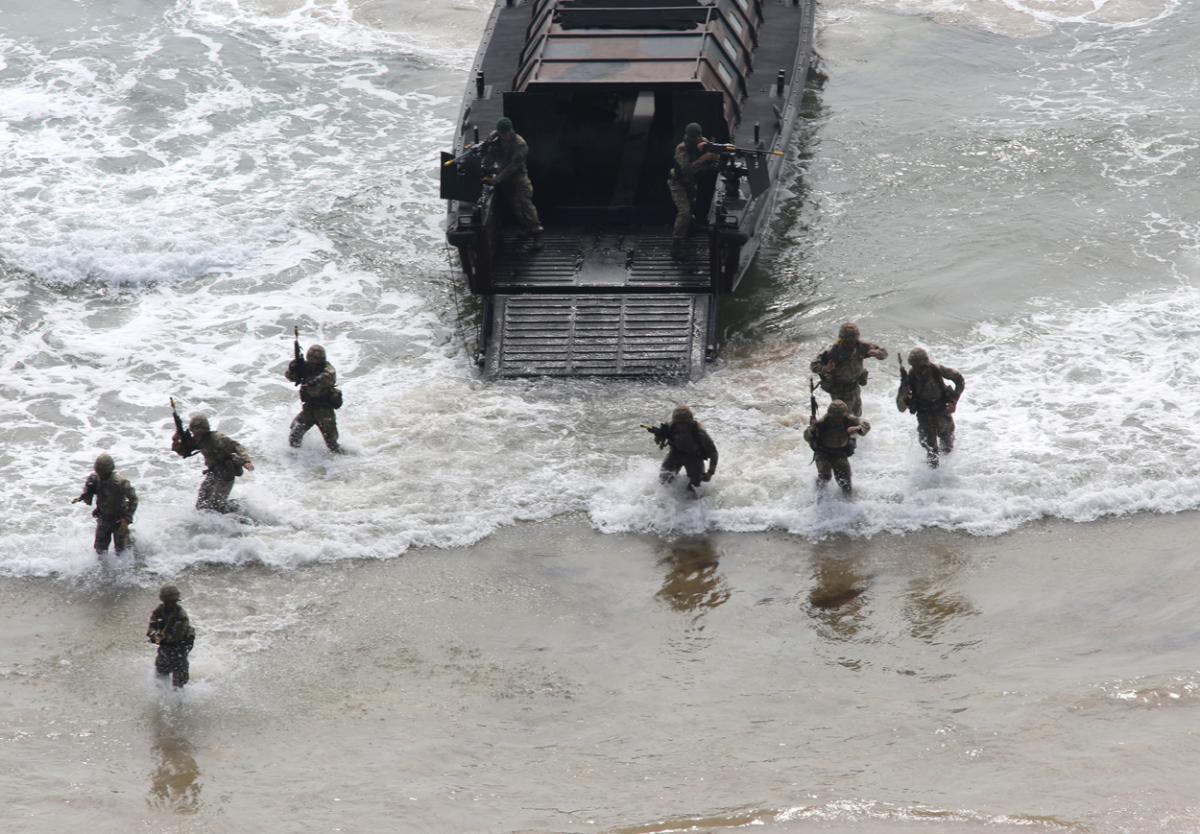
[[601, 90]]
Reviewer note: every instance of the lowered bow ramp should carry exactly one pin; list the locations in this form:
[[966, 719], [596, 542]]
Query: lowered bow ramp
[[624, 335]]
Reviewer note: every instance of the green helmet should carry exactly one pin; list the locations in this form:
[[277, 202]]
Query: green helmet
[[198, 423], [504, 125], [837, 408], [848, 332], [918, 356], [104, 466], [168, 593], [693, 130], [315, 355], [682, 414]]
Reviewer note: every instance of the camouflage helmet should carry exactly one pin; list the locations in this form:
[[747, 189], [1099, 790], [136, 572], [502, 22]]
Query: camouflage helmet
[[198, 423], [848, 332], [682, 414], [693, 130], [104, 465], [837, 408], [504, 125], [168, 593], [315, 355], [918, 356]]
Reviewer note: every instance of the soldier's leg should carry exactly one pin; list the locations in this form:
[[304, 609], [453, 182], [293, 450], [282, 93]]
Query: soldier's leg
[[854, 403], [204, 496], [695, 472], [946, 433], [927, 434], [327, 423], [162, 663], [824, 470], [300, 426], [104, 533], [683, 216], [841, 471], [221, 490], [670, 466], [179, 669], [120, 537], [521, 201]]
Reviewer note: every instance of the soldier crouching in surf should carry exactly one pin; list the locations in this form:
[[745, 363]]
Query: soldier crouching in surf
[[116, 502], [171, 631], [690, 447], [832, 439], [224, 460]]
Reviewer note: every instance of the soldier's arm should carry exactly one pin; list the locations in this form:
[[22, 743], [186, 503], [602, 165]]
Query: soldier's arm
[[877, 351], [955, 377], [863, 426], [131, 500], [89, 491], [241, 455], [321, 384], [519, 155], [710, 450], [292, 374]]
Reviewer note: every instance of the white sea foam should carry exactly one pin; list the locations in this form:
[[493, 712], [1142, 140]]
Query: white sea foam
[[1028, 18]]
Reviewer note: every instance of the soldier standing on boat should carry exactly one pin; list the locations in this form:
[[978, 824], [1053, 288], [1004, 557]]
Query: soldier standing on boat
[[116, 502], [170, 630], [224, 460], [319, 395], [841, 367], [691, 159], [690, 447], [924, 392], [506, 154], [832, 439]]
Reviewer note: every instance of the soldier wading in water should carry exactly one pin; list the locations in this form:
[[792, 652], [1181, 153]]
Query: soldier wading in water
[[832, 439], [170, 630], [841, 367], [224, 460], [690, 447], [116, 502], [924, 392], [319, 396]]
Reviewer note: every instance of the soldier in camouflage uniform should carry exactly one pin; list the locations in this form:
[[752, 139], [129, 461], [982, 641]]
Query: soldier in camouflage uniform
[[319, 396], [224, 460], [691, 159], [690, 447], [506, 155], [926, 394], [170, 630], [116, 502], [832, 439], [841, 367]]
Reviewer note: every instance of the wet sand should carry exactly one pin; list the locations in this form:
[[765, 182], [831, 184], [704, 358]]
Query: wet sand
[[554, 679]]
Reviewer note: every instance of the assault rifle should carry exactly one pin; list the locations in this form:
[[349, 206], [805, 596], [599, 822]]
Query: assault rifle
[[662, 434], [905, 392], [182, 443], [297, 356], [812, 400]]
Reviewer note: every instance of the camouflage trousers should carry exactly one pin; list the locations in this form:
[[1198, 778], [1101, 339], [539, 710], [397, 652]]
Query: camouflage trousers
[[110, 530], [674, 461], [852, 397], [833, 466], [934, 428], [685, 203], [325, 419], [172, 661], [518, 194], [214, 493]]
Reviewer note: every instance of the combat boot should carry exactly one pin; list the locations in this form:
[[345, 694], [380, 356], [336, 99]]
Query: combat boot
[[676, 249], [535, 243]]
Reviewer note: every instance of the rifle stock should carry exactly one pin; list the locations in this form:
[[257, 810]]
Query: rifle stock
[[297, 355]]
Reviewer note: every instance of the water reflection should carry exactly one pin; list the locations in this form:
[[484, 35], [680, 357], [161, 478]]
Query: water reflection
[[175, 780], [930, 607], [838, 599], [692, 582]]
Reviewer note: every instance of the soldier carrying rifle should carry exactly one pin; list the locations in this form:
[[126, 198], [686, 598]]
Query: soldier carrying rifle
[[690, 447]]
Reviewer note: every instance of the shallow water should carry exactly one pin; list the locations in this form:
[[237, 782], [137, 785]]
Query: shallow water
[[1009, 184]]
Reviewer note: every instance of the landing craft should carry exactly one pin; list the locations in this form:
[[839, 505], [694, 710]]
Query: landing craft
[[602, 90]]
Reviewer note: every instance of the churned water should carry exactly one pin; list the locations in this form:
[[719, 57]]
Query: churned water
[[1009, 184]]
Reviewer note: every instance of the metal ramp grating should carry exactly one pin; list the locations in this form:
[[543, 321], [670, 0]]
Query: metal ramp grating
[[598, 335], [599, 261]]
